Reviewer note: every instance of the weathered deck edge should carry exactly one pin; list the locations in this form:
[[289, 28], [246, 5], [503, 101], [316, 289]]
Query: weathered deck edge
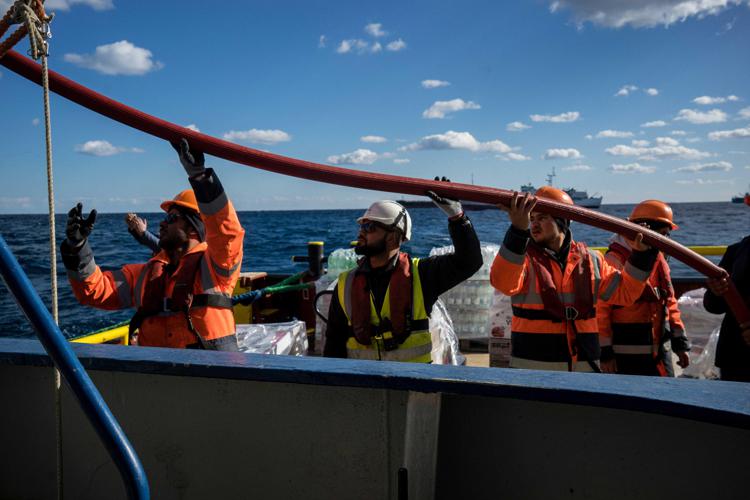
[[716, 402]]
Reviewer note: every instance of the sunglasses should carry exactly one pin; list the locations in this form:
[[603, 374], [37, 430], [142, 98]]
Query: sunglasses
[[172, 217], [371, 226]]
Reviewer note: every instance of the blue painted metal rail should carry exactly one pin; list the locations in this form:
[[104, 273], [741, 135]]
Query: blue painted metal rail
[[75, 375]]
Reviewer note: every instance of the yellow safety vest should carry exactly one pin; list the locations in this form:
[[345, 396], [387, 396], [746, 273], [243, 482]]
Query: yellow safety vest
[[417, 347]]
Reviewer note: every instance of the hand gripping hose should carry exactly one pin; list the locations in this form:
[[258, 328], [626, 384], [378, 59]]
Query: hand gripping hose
[[359, 179]]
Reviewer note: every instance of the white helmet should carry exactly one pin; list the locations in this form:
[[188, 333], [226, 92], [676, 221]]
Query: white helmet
[[391, 214]]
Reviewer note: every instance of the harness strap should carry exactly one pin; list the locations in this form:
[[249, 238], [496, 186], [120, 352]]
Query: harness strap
[[570, 314]]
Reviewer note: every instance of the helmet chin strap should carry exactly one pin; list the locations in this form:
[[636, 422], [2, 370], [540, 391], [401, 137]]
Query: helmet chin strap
[[401, 215]]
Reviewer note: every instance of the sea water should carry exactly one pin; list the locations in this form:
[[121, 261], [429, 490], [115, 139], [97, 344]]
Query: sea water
[[273, 237]]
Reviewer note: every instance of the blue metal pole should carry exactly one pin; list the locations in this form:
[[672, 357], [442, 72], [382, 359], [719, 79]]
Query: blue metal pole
[[75, 375]]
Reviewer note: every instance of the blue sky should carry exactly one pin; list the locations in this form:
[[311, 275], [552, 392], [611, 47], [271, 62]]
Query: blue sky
[[631, 99]]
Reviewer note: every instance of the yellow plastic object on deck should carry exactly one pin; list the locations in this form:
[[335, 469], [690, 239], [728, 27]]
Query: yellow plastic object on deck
[[705, 250], [117, 335]]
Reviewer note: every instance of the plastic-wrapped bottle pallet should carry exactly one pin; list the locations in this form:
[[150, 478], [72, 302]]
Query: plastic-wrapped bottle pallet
[[469, 302]]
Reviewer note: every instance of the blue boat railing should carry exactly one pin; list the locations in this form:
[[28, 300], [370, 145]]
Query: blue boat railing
[[89, 398]]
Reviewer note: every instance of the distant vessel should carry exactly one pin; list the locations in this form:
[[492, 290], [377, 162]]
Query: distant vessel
[[580, 198]]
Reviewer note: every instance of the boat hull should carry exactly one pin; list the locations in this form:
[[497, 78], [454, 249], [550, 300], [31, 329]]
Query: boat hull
[[229, 425]]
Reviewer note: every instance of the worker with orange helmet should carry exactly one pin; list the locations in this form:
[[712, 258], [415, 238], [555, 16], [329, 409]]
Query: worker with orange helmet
[[633, 337], [556, 284], [182, 295]]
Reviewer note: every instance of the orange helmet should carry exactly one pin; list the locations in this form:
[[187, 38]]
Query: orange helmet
[[185, 199], [653, 210], [554, 194]]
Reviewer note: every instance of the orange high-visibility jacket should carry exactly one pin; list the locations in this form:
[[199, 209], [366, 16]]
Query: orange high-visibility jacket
[[547, 344], [217, 274], [637, 329]]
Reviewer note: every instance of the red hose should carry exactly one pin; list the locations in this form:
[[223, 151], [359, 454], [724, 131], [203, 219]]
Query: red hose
[[353, 178]]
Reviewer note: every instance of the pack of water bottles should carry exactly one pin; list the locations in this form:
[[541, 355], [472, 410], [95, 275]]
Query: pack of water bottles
[[340, 260], [469, 302]]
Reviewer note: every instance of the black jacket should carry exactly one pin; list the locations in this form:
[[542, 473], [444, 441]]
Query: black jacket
[[438, 274], [732, 353]]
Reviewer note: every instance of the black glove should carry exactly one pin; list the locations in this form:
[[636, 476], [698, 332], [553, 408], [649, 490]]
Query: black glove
[[451, 207], [192, 161], [77, 229]]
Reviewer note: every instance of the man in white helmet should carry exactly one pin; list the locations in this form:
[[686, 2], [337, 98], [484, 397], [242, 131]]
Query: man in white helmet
[[380, 310]]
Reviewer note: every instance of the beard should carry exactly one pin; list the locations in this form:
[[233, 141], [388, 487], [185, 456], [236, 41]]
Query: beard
[[370, 250], [174, 242]]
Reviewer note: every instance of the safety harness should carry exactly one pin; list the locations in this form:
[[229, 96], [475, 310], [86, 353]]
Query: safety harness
[[182, 299], [555, 309], [656, 294]]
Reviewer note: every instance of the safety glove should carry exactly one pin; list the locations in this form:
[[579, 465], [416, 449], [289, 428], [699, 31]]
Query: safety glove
[[77, 228], [451, 208], [192, 161]]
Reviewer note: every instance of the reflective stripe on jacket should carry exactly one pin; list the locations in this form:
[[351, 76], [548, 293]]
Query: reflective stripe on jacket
[[416, 347], [542, 343], [637, 331], [217, 274]]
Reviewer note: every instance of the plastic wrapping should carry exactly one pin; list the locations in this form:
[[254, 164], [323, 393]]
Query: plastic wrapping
[[445, 349], [702, 328], [323, 303], [340, 260], [469, 302], [273, 338]]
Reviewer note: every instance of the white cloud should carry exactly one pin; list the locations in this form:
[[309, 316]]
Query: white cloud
[[516, 157], [433, 84], [358, 157], [641, 13], [703, 181], [652, 91], [322, 42], [738, 133], [256, 136], [457, 140], [357, 45], [375, 29], [631, 168], [663, 149], [588, 137], [103, 148], [568, 153], [678, 132], [35, 121], [717, 166], [667, 141], [618, 134], [193, 127], [376, 139], [700, 117], [640, 143], [656, 123], [568, 117], [100, 5], [705, 100], [396, 45], [693, 139], [401, 161], [625, 90], [516, 126], [577, 168], [118, 58], [440, 108], [744, 112]]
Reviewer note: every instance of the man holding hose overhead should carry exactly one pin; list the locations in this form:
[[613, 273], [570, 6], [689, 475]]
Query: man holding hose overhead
[[182, 295], [555, 284]]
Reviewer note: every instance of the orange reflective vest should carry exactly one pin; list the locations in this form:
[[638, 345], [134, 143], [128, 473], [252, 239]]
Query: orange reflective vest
[[539, 338], [217, 273], [637, 331]]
